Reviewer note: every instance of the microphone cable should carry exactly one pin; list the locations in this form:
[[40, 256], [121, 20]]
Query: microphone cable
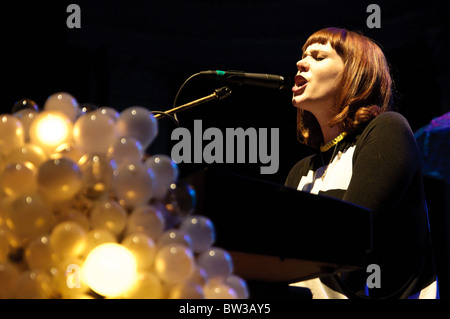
[[174, 117], [178, 93]]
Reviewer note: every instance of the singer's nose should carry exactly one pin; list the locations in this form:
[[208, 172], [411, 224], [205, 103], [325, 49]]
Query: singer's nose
[[302, 65]]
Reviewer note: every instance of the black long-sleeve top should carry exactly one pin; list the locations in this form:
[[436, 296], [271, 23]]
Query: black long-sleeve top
[[379, 168]]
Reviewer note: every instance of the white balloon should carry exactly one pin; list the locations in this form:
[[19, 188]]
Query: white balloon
[[146, 219], [63, 102], [187, 290], [108, 214], [174, 236], [239, 285], [59, 179], [201, 230], [132, 183], [125, 149], [174, 263], [216, 289], [138, 122], [11, 134], [94, 132], [111, 112], [166, 173], [216, 262], [26, 117], [142, 247], [97, 174]]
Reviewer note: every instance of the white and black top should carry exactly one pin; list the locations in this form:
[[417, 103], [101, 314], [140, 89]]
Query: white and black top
[[379, 168]]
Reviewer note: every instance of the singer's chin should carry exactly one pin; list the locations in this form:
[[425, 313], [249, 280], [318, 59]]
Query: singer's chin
[[296, 101]]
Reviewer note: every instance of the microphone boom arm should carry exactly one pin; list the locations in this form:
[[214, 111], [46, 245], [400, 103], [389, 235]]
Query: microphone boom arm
[[218, 94]]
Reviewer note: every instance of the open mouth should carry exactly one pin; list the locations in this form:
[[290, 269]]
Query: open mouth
[[300, 83]]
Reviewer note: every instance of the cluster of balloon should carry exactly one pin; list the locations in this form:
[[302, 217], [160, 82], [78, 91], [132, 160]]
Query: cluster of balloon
[[86, 213]]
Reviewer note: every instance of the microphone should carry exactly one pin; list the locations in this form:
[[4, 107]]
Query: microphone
[[257, 79]]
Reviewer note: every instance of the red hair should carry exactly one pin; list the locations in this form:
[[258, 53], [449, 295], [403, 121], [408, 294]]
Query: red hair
[[366, 85]]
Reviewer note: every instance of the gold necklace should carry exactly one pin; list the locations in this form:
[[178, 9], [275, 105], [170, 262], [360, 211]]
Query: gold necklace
[[323, 148], [334, 141], [331, 160]]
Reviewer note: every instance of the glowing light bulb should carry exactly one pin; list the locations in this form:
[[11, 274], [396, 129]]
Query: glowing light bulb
[[50, 129], [83, 209], [110, 270], [63, 102]]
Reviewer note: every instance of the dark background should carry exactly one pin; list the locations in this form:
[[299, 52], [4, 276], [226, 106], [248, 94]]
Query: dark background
[[140, 52]]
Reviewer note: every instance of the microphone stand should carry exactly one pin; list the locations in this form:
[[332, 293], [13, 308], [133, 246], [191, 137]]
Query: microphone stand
[[218, 94]]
